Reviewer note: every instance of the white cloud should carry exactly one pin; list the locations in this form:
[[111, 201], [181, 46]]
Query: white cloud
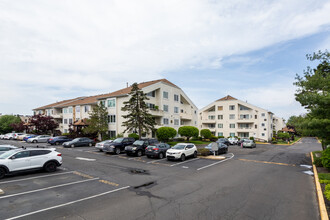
[[89, 46]]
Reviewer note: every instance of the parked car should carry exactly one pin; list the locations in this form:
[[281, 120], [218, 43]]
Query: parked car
[[249, 143], [79, 142], [118, 145], [181, 151], [224, 141], [58, 140], [39, 139], [222, 148], [241, 141], [233, 140], [16, 135], [4, 148], [23, 159], [20, 137], [8, 136], [29, 136], [157, 150], [139, 146], [100, 145]]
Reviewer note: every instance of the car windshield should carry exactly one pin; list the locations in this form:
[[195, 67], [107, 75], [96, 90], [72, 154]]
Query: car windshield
[[118, 140], [7, 154], [179, 147], [221, 139], [76, 139], [248, 141], [138, 142]]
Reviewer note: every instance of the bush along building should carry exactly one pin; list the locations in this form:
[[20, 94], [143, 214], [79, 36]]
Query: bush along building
[[229, 116]]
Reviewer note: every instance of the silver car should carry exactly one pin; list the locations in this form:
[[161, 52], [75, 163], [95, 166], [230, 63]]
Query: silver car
[[39, 139], [101, 144], [249, 143]]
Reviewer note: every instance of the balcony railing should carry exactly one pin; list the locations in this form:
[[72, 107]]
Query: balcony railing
[[57, 115]]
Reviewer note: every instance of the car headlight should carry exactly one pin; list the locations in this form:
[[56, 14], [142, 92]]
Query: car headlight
[[134, 148], [112, 146]]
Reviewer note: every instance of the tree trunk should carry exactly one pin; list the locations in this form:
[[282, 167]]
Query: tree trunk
[[99, 136]]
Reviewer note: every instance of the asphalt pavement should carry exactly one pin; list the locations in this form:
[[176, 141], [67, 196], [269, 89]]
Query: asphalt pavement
[[267, 182]]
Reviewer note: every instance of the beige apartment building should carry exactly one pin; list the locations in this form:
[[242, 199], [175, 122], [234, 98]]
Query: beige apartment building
[[168, 104], [229, 116]]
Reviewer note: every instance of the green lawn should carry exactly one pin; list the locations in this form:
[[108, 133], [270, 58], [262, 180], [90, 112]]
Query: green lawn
[[324, 178], [285, 142]]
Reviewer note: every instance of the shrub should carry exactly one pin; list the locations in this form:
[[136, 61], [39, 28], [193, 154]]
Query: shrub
[[221, 136], [203, 151], [206, 133], [213, 138], [188, 131], [165, 133], [327, 191], [325, 158], [105, 137], [133, 135], [120, 135], [65, 134], [318, 162], [252, 138]]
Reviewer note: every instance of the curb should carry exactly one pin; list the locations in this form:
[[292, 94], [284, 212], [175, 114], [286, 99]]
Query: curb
[[323, 210]]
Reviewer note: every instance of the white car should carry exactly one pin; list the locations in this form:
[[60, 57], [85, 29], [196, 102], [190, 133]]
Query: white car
[[181, 151], [23, 159], [9, 136], [39, 139], [101, 144], [15, 136], [233, 140]]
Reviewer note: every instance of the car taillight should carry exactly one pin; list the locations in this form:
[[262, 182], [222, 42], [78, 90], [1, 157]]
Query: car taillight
[[146, 148], [156, 148], [59, 154], [50, 139]]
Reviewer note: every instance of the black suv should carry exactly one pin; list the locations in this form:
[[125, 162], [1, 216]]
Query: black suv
[[139, 146], [224, 141], [157, 150], [118, 145]]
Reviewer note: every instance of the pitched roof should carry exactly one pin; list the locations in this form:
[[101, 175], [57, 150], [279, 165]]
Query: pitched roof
[[93, 99], [228, 97]]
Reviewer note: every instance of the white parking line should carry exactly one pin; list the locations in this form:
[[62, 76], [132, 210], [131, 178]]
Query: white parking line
[[51, 187], [68, 203], [184, 162], [156, 160], [216, 162], [83, 158], [11, 181]]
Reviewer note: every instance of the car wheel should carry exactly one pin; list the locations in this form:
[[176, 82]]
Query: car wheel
[[195, 154], [50, 167], [72, 145], [90, 144], [57, 143], [161, 156], [139, 153], [183, 157], [34, 141], [2, 173], [148, 156], [117, 150]]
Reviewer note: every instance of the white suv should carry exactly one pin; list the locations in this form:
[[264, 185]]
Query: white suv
[[233, 140], [28, 159], [181, 151]]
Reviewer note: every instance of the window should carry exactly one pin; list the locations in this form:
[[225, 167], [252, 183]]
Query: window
[[176, 109], [265, 119], [65, 110], [262, 124], [65, 121], [255, 126], [165, 107], [220, 117], [176, 97], [111, 119], [165, 121], [241, 107], [263, 114], [176, 121], [220, 133], [263, 134], [39, 152], [152, 94], [211, 117], [22, 154], [102, 102], [244, 116], [150, 105], [231, 116], [220, 126], [112, 134], [70, 109], [211, 125], [78, 108], [231, 125], [165, 95], [70, 120], [112, 103], [195, 112], [220, 108], [65, 130], [265, 129], [86, 108], [232, 134], [255, 117], [232, 107]]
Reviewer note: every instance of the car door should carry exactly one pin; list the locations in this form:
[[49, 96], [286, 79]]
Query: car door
[[19, 161], [38, 158]]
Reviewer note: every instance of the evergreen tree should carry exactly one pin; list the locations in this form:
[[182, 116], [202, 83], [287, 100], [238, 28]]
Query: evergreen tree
[[98, 121], [314, 94], [138, 117]]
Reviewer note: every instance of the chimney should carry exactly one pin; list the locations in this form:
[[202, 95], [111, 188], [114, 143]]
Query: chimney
[[126, 84]]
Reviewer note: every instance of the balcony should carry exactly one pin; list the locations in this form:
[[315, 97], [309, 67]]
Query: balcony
[[185, 116], [245, 120], [243, 129], [57, 116], [156, 112]]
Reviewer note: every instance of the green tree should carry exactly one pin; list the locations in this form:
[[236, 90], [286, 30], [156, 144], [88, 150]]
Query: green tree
[[188, 131], [165, 133], [139, 120], [314, 94], [133, 135], [98, 121], [206, 133], [6, 121]]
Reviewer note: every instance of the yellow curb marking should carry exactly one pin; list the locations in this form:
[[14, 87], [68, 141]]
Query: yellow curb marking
[[108, 182], [257, 161], [323, 210], [83, 175]]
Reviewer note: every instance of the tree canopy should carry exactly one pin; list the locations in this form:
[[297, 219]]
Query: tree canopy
[[6, 121], [165, 133], [98, 121], [43, 124], [188, 131]]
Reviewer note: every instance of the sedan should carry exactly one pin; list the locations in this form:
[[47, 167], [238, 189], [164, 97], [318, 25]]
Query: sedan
[[157, 150], [101, 144], [39, 139], [224, 141], [58, 140], [29, 136], [222, 148], [4, 148], [79, 142], [249, 143]]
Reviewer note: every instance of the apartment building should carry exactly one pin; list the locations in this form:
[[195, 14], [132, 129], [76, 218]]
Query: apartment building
[[229, 116], [168, 104]]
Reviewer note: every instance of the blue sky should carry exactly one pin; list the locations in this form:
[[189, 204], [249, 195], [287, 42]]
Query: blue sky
[[54, 50]]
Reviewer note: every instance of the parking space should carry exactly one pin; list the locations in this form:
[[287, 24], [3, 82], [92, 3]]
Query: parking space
[[38, 192]]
